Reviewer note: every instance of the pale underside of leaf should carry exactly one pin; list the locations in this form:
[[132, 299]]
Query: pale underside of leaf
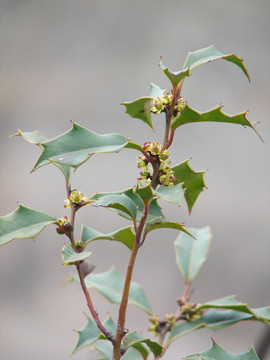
[[190, 253]]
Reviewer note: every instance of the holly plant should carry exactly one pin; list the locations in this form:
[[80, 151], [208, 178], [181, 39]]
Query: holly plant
[[158, 180]]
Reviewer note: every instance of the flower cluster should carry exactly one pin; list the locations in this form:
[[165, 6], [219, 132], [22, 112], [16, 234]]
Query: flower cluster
[[77, 199], [157, 325], [162, 158], [64, 226], [180, 105], [161, 103], [189, 310]]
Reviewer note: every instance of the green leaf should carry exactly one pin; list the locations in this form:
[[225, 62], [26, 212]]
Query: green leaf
[[133, 339], [77, 145], [111, 283], [69, 256], [145, 192], [193, 182], [175, 77], [36, 138], [189, 116], [154, 211], [173, 194], [125, 236], [166, 225], [203, 56], [33, 137], [91, 333], [219, 319], [230, 302], [141, 108], [104, 348], [155, 91], [184, 328], [190, 253], [23, 223], [121, 203], [218, 353]]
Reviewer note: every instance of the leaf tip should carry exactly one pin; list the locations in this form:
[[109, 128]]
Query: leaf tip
[[213, 341]]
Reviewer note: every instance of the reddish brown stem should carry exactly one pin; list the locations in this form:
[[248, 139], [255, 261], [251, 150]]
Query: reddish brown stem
[[124, 301], [91, 307]]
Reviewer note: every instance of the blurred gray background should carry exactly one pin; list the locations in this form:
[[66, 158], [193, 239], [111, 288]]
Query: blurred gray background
[[78, 60]]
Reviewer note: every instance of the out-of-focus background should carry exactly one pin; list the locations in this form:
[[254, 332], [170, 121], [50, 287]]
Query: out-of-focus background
[[78, 60]]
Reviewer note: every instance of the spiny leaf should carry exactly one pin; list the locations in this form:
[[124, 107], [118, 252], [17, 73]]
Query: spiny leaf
[[173, 194], [121, 204], [111, 283], [190, 253], [125, 235], [193, 182], [203, 56], [69, 256], [90, 333], [216, 352], [33, 137], [214, 115], [174, 77], [141, 108], [77, 145], [133, 339], [36, 138], [23, 223]]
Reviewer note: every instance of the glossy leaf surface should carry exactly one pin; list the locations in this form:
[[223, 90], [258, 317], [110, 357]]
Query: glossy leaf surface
[[23, 223], [69, 256], [77, 145], [190, 253], [203, 56], [218, 353], [193, 182], [125, 236], [111, 283], [189, 116]]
